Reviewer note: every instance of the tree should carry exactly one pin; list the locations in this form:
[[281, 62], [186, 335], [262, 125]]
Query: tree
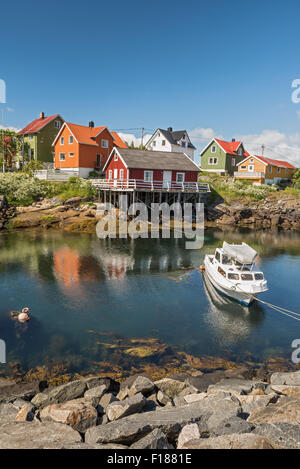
[[11, 145]]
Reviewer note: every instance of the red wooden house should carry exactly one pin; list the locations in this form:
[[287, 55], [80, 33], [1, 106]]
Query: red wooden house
[[147, 170]]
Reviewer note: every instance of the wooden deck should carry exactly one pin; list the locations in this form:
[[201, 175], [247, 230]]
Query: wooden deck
[[129, 185]]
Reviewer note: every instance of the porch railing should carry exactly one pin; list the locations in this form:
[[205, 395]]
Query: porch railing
[[139, 184], [248, 174]]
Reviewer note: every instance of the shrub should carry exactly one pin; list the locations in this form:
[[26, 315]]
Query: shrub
[[21, 189]]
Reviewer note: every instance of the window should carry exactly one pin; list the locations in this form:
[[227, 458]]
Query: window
[[243, 167], [213, 149], [247, 277], [62, 140], [251, 167], [183, 144], [233, 162], [240, 151], [158, 134], [154, 144], [287, 170], [116, 156], [71, 140], [270, 169], [30, 137], [232, 276], [98, 161], [110, 174], [121, 173], [71, 155], [221, 271], [104, 143], [278, 170], [259, 276], [218, 256], [251, 161], [180, 177], [163, 142], [148, 176], [213, 161], [57, 124], [226, 260], [62, 157]]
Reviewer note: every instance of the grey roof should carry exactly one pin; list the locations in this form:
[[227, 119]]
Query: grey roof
[[243, 253], [174, 137], [146, 159]]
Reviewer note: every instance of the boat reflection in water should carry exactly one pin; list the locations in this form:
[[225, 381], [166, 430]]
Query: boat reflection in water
[[232, 322]]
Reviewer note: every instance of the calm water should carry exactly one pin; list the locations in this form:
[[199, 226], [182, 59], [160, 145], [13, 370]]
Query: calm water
[[78, 286]]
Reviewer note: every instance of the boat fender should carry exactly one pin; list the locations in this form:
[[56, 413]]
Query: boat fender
[[202, 268]]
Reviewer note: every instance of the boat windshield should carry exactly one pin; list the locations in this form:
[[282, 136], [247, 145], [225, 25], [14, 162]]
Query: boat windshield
[[259, 276], [226, 260], [247, 277], [232, 276]]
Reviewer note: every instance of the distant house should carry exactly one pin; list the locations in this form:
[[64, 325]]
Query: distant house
[[39, 135], [262, 170], [84, 149], [168, 140], [164, 170], [222, 157]]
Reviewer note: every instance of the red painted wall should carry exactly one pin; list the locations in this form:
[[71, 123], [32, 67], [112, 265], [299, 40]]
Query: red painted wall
[[190, 176], [116, 165]]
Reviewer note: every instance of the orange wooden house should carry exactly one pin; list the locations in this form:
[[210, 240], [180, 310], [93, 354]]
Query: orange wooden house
[[83, 149], [262, 170]]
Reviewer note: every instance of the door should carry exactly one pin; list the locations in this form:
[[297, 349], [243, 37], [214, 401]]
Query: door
[[115, 177], [167, 179], [251, 168]]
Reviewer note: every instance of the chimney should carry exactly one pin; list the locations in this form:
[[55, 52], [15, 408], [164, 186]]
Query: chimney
[[42, 115], [233, 140], [91, 124], [170, 129]]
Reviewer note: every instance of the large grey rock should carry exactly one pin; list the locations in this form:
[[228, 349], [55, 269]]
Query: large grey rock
[[154, 440], [26, 413], [252, 403], [96, 392], [135, 384], [60, 394], [285, 390], [107, 399], [188, 433], [170, 387], [85, 446], [128, 406], [234, 441], [35, 435], [236, 386], [285, 410], [162, 398], [233, 425], [95, 381], [170, 421], [289, 379], [283, 434]]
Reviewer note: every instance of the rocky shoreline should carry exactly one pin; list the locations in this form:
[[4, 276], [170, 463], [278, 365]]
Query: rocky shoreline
[[233, 409], [78, 215]]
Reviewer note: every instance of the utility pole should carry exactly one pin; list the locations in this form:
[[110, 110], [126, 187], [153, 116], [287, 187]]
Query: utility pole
[[142, 139], [262, 150]]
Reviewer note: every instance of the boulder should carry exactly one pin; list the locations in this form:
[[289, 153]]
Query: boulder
[[154, 440], [141, 385], [111, 384], [128, 406], [76, 413], [130, 429], [233, 425], [288, 379], [234, 441], [26, 413], [236, 386], [252, 403], [285, 410], [107, 399], [189, 398], [60, 394], [36, 435], [170, 387], [188, 433], [162, 398], [96, 392], [291, 391], [283, 434]]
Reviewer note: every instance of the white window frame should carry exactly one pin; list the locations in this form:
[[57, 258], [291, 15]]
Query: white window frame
[[278, 170], [213, 161], [121, 173], [154, 143], [71, 154], [213, 149], [62, 140], [244, 167], [270, 169], [183, 144], [71, 139], [60, 157], [146, 177], [251, 168], [110, 173], [163, 143], [116, 156], [57, 124], [181, 174], [233, 162], [104, 143]]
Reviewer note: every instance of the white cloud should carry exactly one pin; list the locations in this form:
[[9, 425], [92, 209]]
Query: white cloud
[[129, 138], [277, 145], [9, 128]]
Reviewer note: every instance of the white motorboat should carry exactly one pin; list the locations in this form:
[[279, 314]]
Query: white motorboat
[[233, 272]]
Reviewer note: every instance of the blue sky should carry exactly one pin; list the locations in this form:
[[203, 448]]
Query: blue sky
[[223, 67]]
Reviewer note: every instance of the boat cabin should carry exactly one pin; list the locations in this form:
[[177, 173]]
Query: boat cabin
[[233, 269]]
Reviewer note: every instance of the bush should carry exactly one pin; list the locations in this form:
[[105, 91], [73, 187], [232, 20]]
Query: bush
[[75, 187], [235, 190], [21, 189]]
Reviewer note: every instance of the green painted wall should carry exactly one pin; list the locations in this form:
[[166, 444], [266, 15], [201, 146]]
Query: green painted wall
[[41, 142], [224, 160]]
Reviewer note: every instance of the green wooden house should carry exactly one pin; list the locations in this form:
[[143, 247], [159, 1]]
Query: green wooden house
[[39, 135], [222, 157]]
